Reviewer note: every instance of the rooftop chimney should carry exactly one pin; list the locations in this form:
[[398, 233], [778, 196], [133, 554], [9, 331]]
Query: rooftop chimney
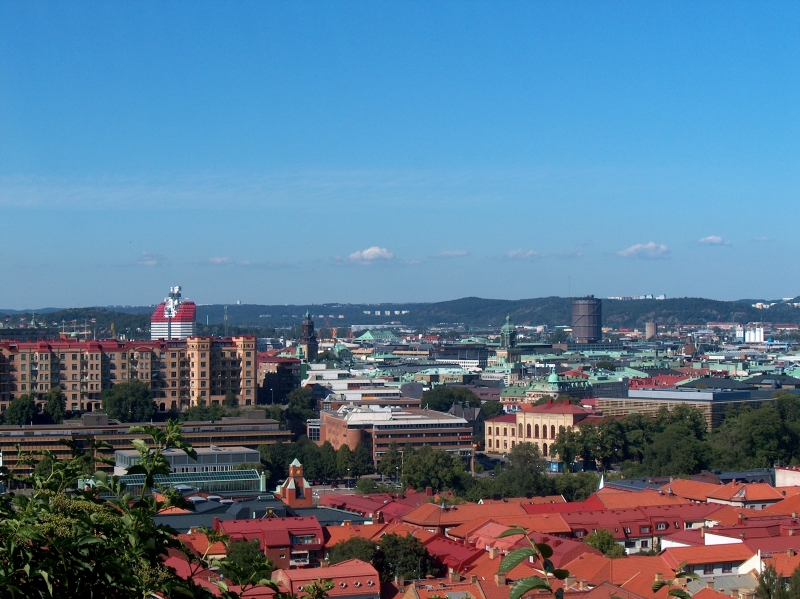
[[734, 592], [659, 577], [500, 579], [473, 579], [454, 576], [794, 514], [399, 581], [493, 552], [570, 582], [710, 584], [583, 585], [429, 491]]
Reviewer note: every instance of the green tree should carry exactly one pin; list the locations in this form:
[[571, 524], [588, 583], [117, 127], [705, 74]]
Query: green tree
[[403, 556], [345, 466], [606, 365], [391, 461], [492, 409], [230, 401], [54, 408], [20, 411], [245, 561], [603, 540], [362, 461], [431, 468], [770, 584], [365, 486], [353, 548], [129, 402], [441, 399], [203, 413], [327, 461]]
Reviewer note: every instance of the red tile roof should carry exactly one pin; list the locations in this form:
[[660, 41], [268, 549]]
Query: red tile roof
[[351, 577], [553, 407]]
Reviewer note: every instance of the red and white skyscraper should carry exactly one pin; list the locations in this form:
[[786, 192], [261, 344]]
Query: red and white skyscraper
[[173, 318]]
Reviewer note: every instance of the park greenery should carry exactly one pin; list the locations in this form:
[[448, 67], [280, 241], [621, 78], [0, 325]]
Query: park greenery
[[393, 556], [679, 443], [131, 401]]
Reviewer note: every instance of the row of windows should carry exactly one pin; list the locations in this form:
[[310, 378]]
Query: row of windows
[[532, 432]]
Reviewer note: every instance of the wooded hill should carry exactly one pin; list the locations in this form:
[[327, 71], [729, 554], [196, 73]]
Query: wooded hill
[[470, 311]]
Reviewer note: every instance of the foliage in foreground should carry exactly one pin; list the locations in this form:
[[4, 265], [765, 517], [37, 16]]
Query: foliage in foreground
[[101, 541]]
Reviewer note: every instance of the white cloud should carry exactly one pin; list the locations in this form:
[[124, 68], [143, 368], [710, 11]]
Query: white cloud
[[370, 254], [651, 251], [714, 240], [452, 254], [762, 239], [150, 259], [524, 254], [220, 260]]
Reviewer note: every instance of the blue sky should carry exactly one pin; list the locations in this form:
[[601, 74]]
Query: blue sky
[[273, 152]]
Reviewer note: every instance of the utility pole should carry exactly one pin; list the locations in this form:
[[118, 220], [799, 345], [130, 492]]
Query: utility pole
[[226, 320]]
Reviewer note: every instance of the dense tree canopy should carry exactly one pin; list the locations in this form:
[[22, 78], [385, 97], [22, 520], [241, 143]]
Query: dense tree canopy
[[129, 402], [442, 398], [54, 408], [20, 411], [354, 548], [492, 409]]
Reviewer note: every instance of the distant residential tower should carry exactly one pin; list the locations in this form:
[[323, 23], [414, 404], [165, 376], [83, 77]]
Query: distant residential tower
[[173, 318]]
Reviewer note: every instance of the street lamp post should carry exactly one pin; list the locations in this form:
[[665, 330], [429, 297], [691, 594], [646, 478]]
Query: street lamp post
[[272, 392], [348, 478]]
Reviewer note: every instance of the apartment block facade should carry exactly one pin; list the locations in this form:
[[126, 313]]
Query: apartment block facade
[[180, 373]]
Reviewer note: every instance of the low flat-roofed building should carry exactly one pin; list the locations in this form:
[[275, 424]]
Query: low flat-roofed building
[[378, 427], [249, 431], [209, 459]]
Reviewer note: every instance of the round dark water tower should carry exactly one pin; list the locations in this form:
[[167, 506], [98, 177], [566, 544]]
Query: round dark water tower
[[587, 316]]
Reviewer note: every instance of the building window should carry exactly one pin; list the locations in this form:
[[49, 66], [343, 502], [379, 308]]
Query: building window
[[661, 526], [708, 568], [520, 430], [490, 443], [497, 430], [544, 449], [544, 431], [536, 431], [552, 431], [529, 431], [727, 568]]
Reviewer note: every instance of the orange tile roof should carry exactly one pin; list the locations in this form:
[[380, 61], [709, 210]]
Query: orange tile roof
[[625, 500], [544, 523], [690, 489], [441, 589], [705, 554], [431, 515], [198, 544], [785, 507], [597, 569], [729, 515], [785, 562], [735, 491], [337, 534], [400, 529]]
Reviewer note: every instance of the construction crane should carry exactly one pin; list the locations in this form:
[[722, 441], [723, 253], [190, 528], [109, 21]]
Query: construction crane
[[330, 328]]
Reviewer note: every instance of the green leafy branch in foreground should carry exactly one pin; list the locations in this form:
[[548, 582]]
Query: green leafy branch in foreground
[[541, 553], [675, 584]]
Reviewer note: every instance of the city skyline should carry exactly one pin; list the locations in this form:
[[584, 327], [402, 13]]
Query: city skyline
[[395, 153]]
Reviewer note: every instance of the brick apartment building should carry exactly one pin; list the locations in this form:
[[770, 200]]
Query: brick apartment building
[[377, 428], [180, 373]]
